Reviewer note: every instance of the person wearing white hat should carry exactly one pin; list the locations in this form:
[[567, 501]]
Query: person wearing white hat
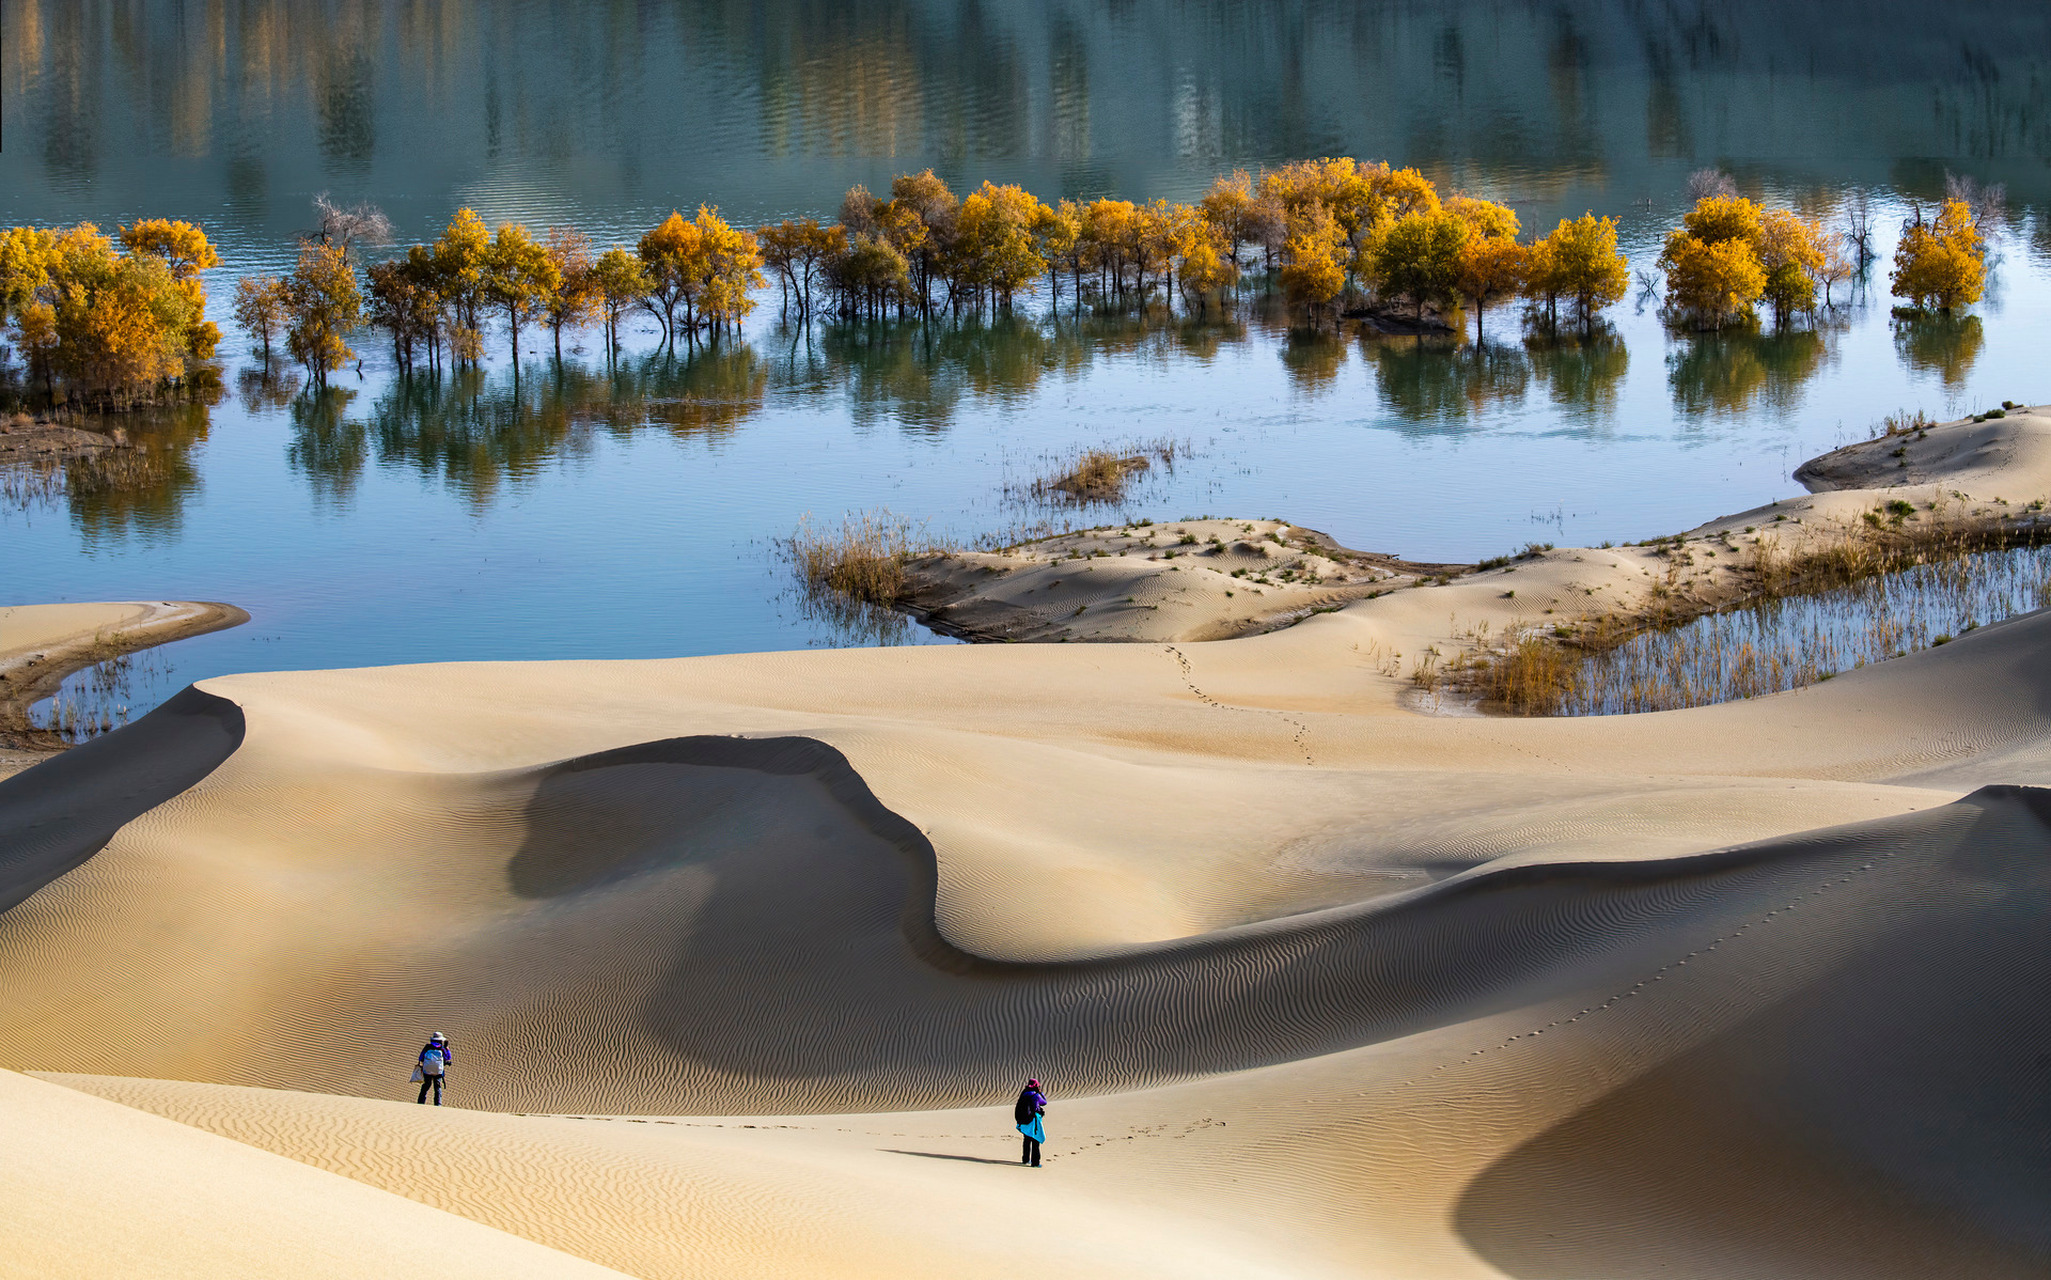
[[433, 1067]]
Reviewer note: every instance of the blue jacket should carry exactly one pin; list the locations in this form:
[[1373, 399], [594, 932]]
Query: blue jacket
[[448, 1059]]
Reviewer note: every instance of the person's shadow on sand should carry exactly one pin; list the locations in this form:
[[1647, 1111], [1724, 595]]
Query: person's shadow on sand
[[941, 1155]]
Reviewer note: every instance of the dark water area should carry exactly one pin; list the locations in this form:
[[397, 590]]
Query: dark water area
[[632, 511]]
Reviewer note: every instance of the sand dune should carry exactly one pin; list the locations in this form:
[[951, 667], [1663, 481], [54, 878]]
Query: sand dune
[[1825, 1064], [1323, 987], [89, 1189]]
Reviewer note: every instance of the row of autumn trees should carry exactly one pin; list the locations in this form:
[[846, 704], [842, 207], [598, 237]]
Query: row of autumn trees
[[117, 318], [434, 300], [1330, 230], [111, 317], [1731, 253]]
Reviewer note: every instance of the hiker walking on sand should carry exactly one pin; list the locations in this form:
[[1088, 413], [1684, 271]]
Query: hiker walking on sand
[[1032, 1104], [433, 1067]]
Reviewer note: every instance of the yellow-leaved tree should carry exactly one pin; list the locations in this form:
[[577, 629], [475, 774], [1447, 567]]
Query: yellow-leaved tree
[[1941, 263], [519, 276], [1713, 273], [671, 260], [1729, 252], [1491, 263], [110, 326], [1313, 272], [325, 304], [1419, 258], [1586, 267]]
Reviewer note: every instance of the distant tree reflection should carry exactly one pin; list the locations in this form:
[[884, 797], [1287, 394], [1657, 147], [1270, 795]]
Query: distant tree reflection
[[1946, 345], [1423, 382], [1582, 375], [1312, 358], [327, 448], [139, 492], [1732, 371]]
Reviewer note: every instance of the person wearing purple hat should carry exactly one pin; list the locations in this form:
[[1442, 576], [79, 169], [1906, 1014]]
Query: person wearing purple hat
[[1032, 1104]]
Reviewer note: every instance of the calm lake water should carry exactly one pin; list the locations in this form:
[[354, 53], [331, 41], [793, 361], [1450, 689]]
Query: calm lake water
[[634, 513]]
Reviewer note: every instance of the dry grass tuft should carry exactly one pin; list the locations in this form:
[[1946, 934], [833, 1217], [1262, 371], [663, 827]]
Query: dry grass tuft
[[1529, 674], [1095, 476], [863, 560], [1102, 475], [1903, 422]]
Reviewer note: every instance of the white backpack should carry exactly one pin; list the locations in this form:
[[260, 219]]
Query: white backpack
[[431, 1062]]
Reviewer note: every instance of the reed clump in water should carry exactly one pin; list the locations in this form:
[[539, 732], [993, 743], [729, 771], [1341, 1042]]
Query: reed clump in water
[[863, 560], [1102, 475], [1787, 642], [1906, 579]]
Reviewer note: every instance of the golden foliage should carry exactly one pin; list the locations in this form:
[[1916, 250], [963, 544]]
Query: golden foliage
[[1580, 262], [1729, 252], [325, 304], [1942, 263], [113, 326], [1715, 282]]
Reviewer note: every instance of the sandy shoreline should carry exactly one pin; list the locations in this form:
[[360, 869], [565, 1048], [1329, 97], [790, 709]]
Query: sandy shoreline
[[743, 956], [1218, 579], [43, 644]]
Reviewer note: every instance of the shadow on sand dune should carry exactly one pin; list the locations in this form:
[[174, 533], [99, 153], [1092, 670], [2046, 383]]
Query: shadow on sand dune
[[1898, 1108], [56, 815]]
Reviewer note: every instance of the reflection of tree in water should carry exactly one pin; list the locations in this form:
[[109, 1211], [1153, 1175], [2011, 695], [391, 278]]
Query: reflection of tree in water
[[890, 370], [1312, 358], [1729, 372], [271, 388], [917, 374], [140, 490], [1201, 338], [1580, 374], [326, 447], [1940, 344], [1422, 381], [477, 431]]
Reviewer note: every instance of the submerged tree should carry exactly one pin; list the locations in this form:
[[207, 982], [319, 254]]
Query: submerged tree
[[1491, 263], [1583, 265], [620, 282], [1312, 269], [796, 250], [1418, 257], [519, 276], [575, 299], [1712, 274], [460, 258], [111, 326], [699, 273], [261, 309], [325, 304], [1941, 263]]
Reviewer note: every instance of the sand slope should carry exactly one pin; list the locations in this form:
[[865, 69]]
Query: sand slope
[[90, 1189], [1827, 1064]]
